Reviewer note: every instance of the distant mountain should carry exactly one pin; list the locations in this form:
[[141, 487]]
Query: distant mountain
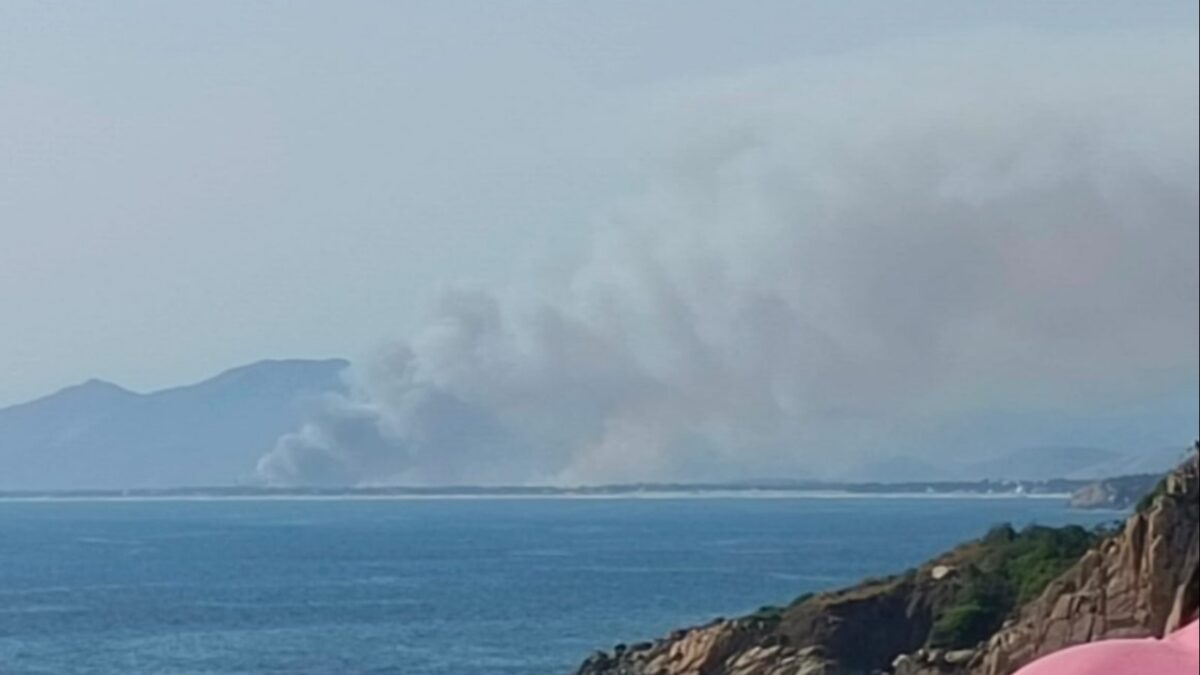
[[1154, 461], [1076, 463], [100, 435], [1027, 464], [1040, 463]]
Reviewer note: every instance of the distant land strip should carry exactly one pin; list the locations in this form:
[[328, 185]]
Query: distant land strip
[[1000, 488]]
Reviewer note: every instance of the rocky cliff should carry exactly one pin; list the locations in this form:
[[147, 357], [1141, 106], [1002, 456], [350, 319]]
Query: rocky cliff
[[1143, 581], [937, 619]]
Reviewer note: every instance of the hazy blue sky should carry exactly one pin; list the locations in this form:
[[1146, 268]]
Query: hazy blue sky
[[569, 241], [188, 186]]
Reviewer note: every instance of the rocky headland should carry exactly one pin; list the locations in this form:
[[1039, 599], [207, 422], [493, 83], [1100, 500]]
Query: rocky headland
[[986, 607], [1114, 493]]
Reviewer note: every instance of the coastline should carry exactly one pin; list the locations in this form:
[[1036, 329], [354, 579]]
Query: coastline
[[714, 495], [1044, 589]]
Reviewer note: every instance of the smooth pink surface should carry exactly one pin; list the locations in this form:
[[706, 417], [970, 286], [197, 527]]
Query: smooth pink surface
[[1177, 654]]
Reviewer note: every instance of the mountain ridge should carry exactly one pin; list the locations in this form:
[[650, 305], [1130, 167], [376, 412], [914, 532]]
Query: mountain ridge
[[100, 435], [97, 434]]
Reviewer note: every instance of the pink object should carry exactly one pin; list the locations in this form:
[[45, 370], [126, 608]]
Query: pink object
[[1176, 654]]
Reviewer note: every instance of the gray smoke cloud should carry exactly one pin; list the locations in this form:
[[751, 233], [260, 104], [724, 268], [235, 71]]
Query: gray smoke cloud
[[832, 259]]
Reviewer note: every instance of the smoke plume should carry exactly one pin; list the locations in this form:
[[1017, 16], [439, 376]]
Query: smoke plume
[[830, 260]]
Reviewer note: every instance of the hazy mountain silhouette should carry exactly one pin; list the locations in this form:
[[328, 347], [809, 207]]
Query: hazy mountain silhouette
[[100, 435], [1078, 463], [212, 433], [1038, 463], [1044, 462]]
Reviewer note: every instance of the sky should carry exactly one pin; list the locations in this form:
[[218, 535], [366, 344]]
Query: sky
[[584, 235]]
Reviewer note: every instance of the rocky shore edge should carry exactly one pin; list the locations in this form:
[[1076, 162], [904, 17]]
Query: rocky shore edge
[[987, 607]]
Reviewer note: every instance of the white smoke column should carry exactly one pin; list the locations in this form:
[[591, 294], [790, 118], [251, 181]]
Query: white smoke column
[[831, 259]]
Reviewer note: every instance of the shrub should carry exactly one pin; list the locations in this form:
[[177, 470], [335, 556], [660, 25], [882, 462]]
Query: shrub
[[963, 625], [980, 607], [1010, 569]]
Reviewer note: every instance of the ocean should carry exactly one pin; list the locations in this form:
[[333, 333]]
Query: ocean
[[432, 586]]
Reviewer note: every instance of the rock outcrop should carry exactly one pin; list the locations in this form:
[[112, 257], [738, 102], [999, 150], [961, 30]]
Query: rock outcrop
[[1113, 493], [816, 635], [1139, 581], [1144, 581]]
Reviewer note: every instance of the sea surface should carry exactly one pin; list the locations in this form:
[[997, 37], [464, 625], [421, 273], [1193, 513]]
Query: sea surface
[[431, 587]]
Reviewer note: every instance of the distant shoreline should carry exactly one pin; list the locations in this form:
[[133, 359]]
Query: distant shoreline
[[565, 496]]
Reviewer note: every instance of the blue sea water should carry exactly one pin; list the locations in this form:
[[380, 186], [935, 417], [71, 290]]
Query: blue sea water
[[430, 587]]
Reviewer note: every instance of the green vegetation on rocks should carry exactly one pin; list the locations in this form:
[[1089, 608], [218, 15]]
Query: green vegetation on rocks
[[1009, 569], [963, 609]]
